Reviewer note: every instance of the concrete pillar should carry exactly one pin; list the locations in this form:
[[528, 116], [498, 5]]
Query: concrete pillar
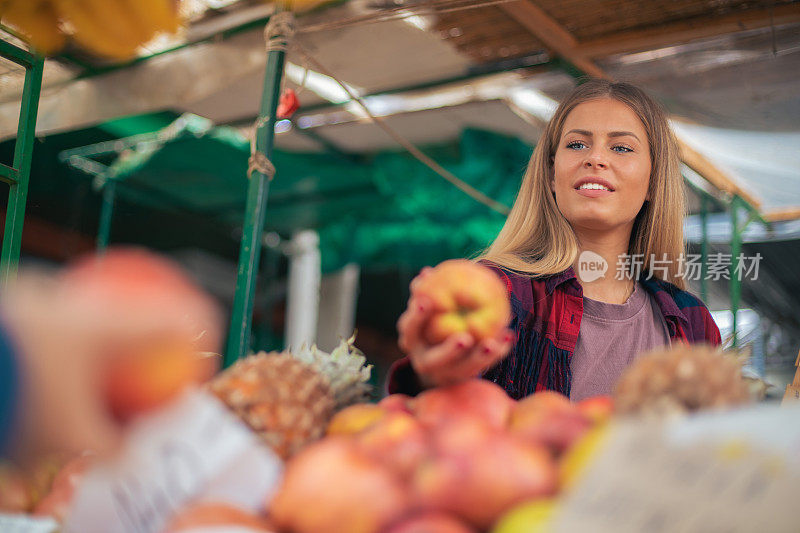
[[303, 290], [337, 306]]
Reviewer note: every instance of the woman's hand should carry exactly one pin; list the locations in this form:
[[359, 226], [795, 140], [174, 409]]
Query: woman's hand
[[456, 359], [61, 408]]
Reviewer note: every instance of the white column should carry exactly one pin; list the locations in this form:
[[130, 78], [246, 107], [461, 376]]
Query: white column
[[337, 306], [303, 290]]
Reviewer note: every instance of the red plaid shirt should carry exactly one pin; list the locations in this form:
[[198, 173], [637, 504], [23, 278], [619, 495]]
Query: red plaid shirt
[[546, 317]]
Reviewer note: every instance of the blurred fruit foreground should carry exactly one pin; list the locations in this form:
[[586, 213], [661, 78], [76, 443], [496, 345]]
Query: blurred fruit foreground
[[462, 458]]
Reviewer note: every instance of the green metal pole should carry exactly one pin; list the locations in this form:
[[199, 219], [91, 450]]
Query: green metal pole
[[250, 251], [704, 249], [106, 214], [23, 156], [736, 248]]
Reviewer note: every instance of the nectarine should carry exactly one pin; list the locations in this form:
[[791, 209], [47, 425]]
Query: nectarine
[[475, 398], [331, 486], [466, 297]]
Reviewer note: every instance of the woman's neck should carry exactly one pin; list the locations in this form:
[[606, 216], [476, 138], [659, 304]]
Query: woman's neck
[[615, 285]]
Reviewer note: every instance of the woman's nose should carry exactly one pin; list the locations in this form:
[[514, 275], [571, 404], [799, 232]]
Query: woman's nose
[[595, 159]]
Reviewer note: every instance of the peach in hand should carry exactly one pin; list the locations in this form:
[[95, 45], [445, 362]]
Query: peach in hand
[[465, 297]]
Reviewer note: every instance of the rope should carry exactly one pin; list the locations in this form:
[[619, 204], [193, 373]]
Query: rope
[[278, 35], [279, 31], [405, 143], [258, 161]]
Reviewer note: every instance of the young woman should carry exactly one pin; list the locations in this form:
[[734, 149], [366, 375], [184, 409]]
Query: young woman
[[603, 187]]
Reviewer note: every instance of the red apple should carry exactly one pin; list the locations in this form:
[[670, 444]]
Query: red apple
[[397, 402], [141, 380], [218, 517], [129, 292], [397, 440], [597, 409], [466, 297], [431, 522], [475, 398], [483, 477], [149, 320], [330, 486], [548, 418]]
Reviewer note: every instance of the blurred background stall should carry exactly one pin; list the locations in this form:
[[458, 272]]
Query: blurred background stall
[[154, 150]]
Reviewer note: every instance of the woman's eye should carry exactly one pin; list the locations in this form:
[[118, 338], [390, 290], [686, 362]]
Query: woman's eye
[[622, 149], [575, 145]]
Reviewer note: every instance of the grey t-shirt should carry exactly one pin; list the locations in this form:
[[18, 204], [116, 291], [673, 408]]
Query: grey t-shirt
[[611, 336]]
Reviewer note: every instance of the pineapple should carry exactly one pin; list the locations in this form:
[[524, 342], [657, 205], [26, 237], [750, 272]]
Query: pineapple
[[680, 379], [289, 398]]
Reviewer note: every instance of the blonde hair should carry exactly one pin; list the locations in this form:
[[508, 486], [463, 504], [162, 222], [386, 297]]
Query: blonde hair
[[537, 240]]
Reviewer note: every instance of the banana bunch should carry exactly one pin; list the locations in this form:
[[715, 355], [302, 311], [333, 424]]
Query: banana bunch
[[109, 28]]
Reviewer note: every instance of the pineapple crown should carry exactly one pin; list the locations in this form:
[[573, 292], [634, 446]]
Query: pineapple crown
[[344, 368]]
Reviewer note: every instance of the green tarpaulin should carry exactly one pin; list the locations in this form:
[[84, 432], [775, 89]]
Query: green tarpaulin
[[380, 210]]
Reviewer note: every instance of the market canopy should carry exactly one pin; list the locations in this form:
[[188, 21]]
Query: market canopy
[[386, 209]]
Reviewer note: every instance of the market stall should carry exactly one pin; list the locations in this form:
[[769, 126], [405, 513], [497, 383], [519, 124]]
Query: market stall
[[295, 441]]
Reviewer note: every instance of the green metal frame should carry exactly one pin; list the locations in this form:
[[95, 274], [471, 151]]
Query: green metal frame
[[18, 174], [735, 206], [255, 214], [738, 205], [80, 159]]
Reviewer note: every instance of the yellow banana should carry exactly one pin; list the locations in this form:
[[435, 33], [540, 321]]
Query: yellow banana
[[156, 15], [139, 28], [100, 27], [37, 21], [153, 16]]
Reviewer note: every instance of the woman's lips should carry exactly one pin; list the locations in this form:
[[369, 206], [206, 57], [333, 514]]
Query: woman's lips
[[593, 193]]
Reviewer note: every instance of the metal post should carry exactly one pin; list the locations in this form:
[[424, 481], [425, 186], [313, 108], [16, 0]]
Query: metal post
[[255, 213], [106, 213], [704, 249], [736, 248], [23, 155]]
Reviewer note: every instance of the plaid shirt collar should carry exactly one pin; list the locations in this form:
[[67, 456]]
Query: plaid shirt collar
[[654, 286]]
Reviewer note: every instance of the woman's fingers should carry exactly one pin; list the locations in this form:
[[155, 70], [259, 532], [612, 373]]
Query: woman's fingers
[[419, 277], [460, 358], [499, 345], [411, 322], [441, 359]]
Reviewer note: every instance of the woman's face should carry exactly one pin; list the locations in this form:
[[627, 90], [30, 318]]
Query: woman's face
[[601, 168]]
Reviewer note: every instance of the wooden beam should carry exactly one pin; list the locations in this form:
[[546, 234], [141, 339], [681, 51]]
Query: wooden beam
[[778, 215], [551, 33], [687, 30], [713, 175]]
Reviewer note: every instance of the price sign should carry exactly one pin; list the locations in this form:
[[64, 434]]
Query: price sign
[[194, 450]]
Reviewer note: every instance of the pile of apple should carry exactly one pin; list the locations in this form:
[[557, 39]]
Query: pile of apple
[[451, 460]]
